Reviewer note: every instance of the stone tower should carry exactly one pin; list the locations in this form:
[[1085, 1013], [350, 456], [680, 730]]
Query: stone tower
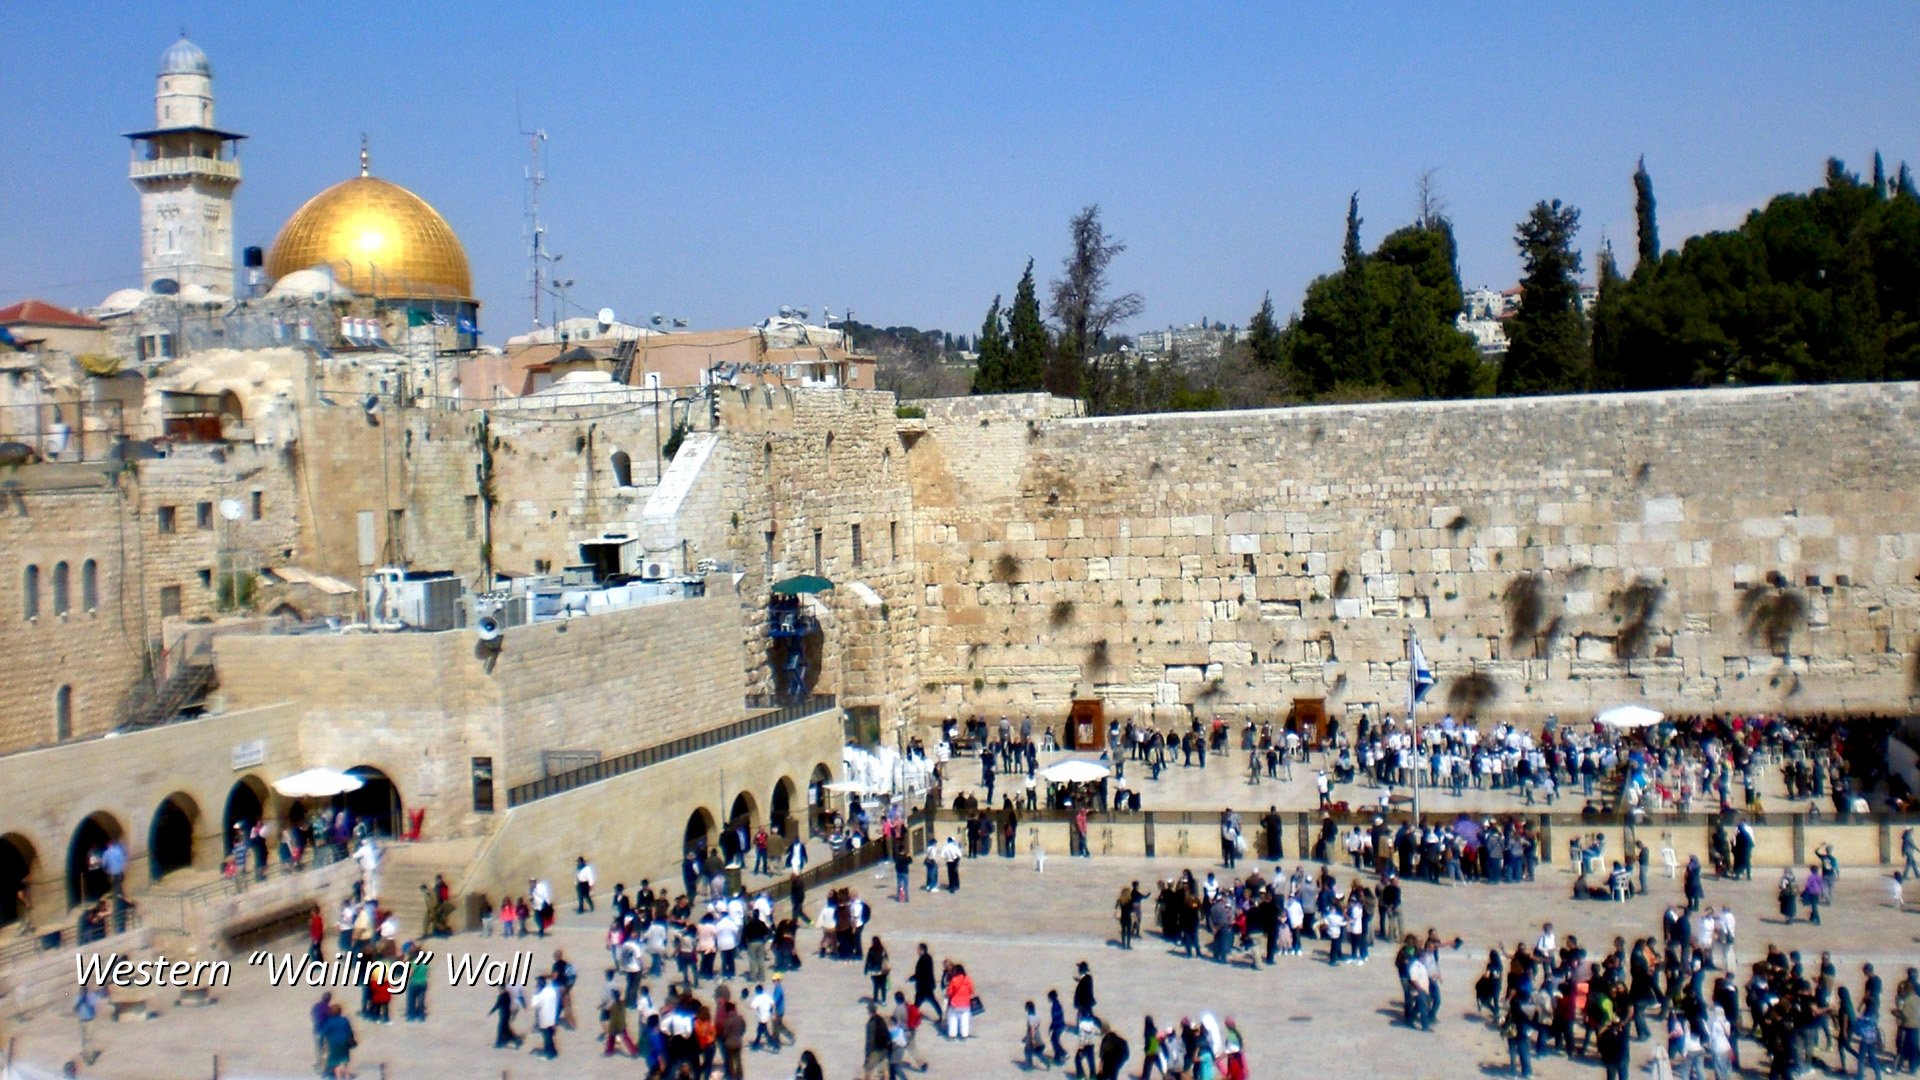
[[186, 171]]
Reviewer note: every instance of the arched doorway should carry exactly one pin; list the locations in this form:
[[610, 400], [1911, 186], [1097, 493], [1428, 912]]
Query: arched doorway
[[817, 795], [246, 803], [737, 840], [17, 861], [780, 806], [170, 837], [377, 802], [699, 834], [87, 877]]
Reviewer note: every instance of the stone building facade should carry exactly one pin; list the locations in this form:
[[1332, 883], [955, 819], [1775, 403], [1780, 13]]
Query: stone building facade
[[1721, 549]]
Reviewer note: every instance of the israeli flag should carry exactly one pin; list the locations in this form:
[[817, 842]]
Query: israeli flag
[[1422, 677]]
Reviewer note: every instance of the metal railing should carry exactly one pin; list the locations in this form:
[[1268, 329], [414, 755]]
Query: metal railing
[[40, 940], [775, 716]]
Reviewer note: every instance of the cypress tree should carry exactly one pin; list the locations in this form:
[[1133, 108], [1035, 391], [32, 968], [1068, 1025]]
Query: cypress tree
[[1643, 215], [1028, 366], [1879, 176], [1350, 254], [990, 375], [1263, 336]]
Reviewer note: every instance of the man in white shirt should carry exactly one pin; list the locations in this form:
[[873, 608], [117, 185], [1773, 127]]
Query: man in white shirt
[[546, 1015], [1547, 944], [632, 959], [540, 897], [583, 879]]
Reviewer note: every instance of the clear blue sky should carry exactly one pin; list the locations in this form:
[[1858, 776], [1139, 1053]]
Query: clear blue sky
[[906, 160]]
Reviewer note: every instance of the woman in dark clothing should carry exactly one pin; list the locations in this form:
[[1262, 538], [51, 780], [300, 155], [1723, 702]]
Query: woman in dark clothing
[[877, 969]]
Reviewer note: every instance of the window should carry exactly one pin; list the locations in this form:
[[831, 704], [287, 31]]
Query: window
[[893, 541], [259, 505], [483, 785], [30, 592], [63, 713], [90, 585], [164, 520], [767, 460], [818, 553], [622, 469], [169, 600], [206, 578], [856, 546], [769, 552], [203, 515], [62, 594], [829, 452], [473, 516]]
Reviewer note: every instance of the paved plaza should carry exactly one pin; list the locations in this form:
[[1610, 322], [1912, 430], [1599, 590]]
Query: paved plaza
[[1019, 933]]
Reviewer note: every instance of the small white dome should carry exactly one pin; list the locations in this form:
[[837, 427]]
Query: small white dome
[[314, 281], [123, 300], [183, 57]]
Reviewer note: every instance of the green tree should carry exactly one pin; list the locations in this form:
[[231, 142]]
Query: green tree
[[990, 371], [1263, 337], [1649, 230], [1547, 350], [1082, 304], [1028, 363], [1384, 325], [1350, 252]]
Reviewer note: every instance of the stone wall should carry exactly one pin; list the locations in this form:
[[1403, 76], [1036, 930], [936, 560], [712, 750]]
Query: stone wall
[[803, 469], [420, 706], [1746, 549], [71, 516], [51, 791], [633, 826]]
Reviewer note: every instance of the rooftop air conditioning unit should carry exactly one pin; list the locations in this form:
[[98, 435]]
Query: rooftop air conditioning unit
[[654, 571]]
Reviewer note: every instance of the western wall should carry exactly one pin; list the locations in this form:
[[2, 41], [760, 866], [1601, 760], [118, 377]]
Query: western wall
[[1695, 550]]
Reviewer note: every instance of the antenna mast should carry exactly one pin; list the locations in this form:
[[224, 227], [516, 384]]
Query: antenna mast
[[536, 176]]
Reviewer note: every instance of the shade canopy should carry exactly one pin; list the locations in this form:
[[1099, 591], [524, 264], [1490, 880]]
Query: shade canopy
[[1629, 716], [318, 784], [1075, 771], [848, 787], [801, 585]]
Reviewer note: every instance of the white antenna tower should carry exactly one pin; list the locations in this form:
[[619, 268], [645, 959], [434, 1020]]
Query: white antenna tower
[[536, 175]]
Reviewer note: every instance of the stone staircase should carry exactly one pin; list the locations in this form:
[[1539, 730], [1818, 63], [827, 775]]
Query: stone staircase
[[407, 867]]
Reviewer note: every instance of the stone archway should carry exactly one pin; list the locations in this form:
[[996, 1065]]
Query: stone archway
[[700, 831], [246, 803], [18, 860], [817, 801], [170, 836], [87, 876], [377, 802], [780, 807]]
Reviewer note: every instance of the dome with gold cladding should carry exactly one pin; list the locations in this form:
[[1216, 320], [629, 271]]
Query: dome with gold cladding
[[378, 238]]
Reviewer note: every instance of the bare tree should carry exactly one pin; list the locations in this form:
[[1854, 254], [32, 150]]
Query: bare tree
[[1433, 205], [1081, 305]]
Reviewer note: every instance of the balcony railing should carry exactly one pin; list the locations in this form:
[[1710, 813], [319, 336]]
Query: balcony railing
[[185, 166], [521, 794]]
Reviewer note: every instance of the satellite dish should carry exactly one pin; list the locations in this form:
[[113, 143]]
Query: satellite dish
[[605, 317], [803, 312], [658, 318], [231, 509]]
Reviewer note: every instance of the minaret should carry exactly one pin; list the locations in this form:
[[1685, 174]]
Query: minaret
[[185, 170]]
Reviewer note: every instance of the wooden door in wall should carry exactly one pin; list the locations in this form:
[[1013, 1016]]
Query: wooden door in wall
[[1086, 725], [1310, 714]]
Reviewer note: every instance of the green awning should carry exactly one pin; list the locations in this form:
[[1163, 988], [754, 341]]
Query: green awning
[[804, 583]]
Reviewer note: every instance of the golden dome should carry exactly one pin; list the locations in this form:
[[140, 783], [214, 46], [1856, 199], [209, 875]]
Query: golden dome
[[379, 239]]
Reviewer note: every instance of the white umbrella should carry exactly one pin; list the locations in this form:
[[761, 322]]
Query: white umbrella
[[318, 784], [1075, 771], [1629, 716]]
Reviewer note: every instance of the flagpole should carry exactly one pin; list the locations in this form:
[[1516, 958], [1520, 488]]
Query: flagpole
[[1413, 728]]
